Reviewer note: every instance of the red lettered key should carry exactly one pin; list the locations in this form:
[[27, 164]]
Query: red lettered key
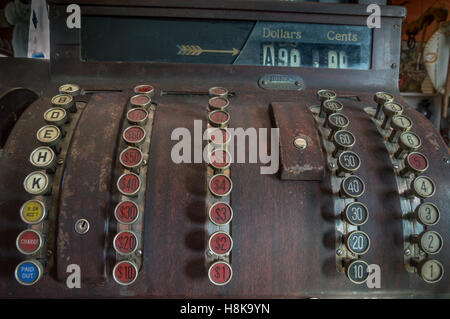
[[220, 273], [129, 184], [134, 135], [220, 213], [219, 118], [126, 212], [125, 242], [125, 272], [219, 103], [137, 116], [220, 243], [140, 100], [131, 157], [220, 185], [220, 159], [29, 241]]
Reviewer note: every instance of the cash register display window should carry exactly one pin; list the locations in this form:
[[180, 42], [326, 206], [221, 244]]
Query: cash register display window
[[260, 43]]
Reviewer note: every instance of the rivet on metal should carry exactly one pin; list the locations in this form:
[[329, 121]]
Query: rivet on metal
[[300, 143]]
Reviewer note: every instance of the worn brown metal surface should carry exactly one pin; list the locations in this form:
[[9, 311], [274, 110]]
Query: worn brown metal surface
[[283, 230], [295, 121]]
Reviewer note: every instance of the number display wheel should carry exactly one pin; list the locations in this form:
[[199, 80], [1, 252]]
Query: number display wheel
[[336, 122], [357, 271], [399, 124], [220, 273], [131, 158], [380, 98], [356, 213], [71, 89], [28, 272], [219, 118], [29, 242], [137, 116], [134, 135], [220, 243], [220, 185], [140, 100], [55, 116], [33, 212], [218, 103], [430, 242], [352, 186], [218, 91], [427, 214], [220, 213], [126, 212], [144, 89], [125, 242], [343, 141], [43, 157], [37, 183], [422, 187], [416, 163], [220, 159], [219, 136], [390, 109], [49, 135], [407, 142], [129, 184], [348, 162], [358, 242], [431, 270], [125, 272]]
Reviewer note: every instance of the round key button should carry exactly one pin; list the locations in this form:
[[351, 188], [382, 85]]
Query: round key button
[[125, 242], [29, 242], [400, 124], [43, 157], [218, 103], [134, 135], [380, 98], [416, 163], [219, 136], [427, 214], [220, 243], [137, 116], [357, 271], [28, 272], [37, 183], [220, 159], [131, 158], [352, 186], [220, 273], [71, 89], [356, 213], [218, 91], [343, 141], [125, 272], [323, 95], [129, 184], [126, 212], [422, 187], [220, 185], [332, 106], [357, 242], [348, 162], [336, 122], [407, 142], [431, 270], [430, 242], [55, 116], [390, 109], [64, 101], [220, 213], [144, 89], [33, 212], [140, 100], [218, 118], [49, 135]]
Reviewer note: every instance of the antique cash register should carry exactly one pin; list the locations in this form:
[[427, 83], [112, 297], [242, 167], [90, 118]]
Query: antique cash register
[[249, 149]]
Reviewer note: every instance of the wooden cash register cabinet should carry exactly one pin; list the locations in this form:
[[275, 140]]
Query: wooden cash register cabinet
[[89, 186]]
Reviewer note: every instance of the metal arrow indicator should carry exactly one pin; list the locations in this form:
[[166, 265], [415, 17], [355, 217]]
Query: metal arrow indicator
[[197, 50]]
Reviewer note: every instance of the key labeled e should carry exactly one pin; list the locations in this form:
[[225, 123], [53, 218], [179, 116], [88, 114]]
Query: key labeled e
[[74, 279]]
